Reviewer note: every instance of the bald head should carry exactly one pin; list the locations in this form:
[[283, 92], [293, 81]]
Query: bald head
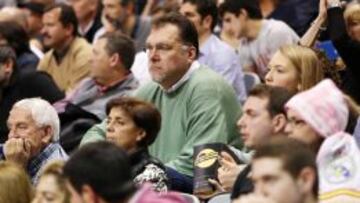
[[15, 15]]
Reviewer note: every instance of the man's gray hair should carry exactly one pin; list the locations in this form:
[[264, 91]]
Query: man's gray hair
[[43, 113]]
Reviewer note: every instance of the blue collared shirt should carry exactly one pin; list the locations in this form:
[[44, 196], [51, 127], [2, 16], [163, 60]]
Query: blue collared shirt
[[223, 59]]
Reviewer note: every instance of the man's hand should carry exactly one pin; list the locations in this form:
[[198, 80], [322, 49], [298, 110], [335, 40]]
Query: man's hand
[[253, 198], [228, 172], [17, 150]]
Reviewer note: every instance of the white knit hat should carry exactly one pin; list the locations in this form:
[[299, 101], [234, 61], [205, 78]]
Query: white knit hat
[[323, 107]]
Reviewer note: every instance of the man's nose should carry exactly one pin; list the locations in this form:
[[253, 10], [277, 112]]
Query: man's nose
[[12, 133]]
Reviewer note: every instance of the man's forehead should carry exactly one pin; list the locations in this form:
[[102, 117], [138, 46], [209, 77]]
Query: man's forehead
[[112, 2], [18, 113], [267, 165], [291, 113], [189, 7], [164, 33], [257, 102], [55, 12]]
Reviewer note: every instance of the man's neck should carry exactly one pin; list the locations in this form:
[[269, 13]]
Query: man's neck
[[61, 51], [113, 79], [129, 25], [267, 7], [84, 24], [204, 37], [253, 28], [173, 83]]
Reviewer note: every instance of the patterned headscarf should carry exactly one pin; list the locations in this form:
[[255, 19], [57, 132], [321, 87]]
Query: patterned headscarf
[[323, 107]]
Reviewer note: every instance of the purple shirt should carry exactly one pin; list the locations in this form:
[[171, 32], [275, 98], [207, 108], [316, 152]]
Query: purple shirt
[[223, 59]]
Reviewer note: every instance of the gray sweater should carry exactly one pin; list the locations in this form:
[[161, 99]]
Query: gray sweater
[[90, 98]]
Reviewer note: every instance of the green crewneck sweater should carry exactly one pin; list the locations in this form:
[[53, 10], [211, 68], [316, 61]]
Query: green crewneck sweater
[[202, 110]]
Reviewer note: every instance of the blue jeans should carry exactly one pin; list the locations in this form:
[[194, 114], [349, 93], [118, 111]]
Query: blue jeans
[[179, 182]]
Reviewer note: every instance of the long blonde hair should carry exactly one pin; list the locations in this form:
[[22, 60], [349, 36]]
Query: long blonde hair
[[15, 185], [54, 168], [307, 64]]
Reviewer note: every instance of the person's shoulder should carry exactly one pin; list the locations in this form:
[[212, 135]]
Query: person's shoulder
[[79, 54], [221, 47], [80, 45], [44, 61], [147, 89], [206, 81], [205, 75], [278, 27], [33, 77], [58, 153], [80, 42], [86, 84]]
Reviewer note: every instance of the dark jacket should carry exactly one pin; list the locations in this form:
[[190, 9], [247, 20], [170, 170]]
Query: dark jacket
[[90, 34], [27, 61], [243, 185], [298, 14], [25, 85], [147, 169], [348, 49]]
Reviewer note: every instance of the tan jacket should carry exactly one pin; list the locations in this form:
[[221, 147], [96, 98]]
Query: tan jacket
[[73, 67]]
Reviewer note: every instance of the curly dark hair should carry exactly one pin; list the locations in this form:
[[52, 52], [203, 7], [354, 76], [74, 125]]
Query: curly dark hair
[[329, 67]]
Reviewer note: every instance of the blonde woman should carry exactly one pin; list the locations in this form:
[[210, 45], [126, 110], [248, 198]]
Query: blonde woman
[[15, 185], [296, 68], [51, 187]]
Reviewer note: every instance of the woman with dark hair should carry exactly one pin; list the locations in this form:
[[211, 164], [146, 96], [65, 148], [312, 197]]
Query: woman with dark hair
[[12, 34], [133, 125]]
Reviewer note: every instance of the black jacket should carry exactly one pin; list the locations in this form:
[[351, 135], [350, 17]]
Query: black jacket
[[25, 85], [243, 185], [348, 49]]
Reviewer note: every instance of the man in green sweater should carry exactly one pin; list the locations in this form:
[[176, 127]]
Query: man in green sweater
[[196, 104]]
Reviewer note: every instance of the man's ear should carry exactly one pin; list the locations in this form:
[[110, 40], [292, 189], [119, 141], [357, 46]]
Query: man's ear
[[244, 13], [299, 87], [89, 195], [115, 59], [47, 134], [207, 21], [306, 180], [8, 67], [69, 29], [140, 135], [279, 122], [130, 8], [191, 54]]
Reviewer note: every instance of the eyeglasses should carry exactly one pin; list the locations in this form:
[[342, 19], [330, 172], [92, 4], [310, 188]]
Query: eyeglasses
[[162, 48]]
